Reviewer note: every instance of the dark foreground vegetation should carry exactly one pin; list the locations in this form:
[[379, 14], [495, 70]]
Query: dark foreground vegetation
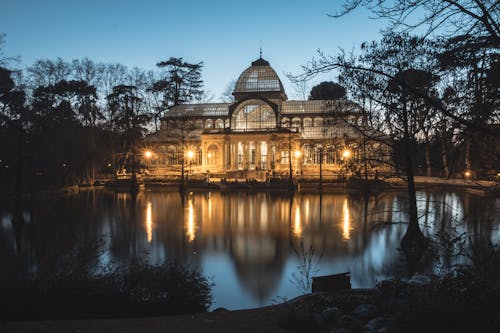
[[460, 303], [468, 300], [127, 291]]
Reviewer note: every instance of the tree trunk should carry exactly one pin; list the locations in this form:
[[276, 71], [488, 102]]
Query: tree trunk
[[19, 171], [444, 156], [428, 160], [467, 152], [413, 240]]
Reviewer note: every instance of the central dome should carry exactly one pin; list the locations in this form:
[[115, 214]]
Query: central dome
[[260, 77]]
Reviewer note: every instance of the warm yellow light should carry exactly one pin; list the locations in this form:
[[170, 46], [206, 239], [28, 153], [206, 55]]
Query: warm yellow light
[[209, 155], [148, 154], [346, 153], [190, 154], [467, 174], [149, 221], [297, 153], [346, 232], [190, 227], [297, 226]]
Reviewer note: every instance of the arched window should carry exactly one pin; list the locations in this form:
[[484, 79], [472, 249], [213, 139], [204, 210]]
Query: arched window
[[199, 123], [285, 122], [296, 122], [219, 123], [253, 115], [307, 122], [318, 122]]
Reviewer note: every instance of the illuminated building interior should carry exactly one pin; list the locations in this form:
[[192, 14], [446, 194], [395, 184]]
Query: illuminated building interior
[[256, 135]]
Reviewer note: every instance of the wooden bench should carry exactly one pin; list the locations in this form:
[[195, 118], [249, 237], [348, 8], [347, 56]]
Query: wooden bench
[[333, 282]]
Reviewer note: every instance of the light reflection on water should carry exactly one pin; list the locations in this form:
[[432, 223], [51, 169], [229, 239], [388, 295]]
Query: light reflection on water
[[345, 217], [149, 221], [244, 242]]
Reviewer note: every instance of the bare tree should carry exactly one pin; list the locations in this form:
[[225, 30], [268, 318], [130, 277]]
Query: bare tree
[[4, 60], [462, 17], [47, 72], [392, 75], [87, 70]]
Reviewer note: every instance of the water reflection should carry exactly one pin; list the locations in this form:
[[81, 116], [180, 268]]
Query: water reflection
[[190, 223], [149, 221], [297, 228], [242, 241], [346, 221]]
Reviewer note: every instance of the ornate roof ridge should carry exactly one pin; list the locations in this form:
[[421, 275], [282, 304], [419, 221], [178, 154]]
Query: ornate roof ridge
[[260, 62]]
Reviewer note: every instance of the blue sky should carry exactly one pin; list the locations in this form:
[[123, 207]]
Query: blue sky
[[224, 34]]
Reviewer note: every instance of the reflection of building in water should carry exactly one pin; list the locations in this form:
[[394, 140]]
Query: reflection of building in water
[[259, 263], [346, 225], [255, 233], [253, 230], [260, 133], [190, 222], [149, 221]]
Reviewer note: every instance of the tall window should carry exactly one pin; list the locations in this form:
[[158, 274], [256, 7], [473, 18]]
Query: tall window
[[212, 155], [255, 115]]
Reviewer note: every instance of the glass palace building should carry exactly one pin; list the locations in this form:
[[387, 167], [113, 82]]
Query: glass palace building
[[261, 134]]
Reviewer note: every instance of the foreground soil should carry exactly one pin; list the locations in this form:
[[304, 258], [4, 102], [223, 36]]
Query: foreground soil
[[258, 320]]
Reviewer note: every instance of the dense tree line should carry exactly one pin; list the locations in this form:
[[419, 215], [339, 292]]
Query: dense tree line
[[433, 96], [64, 123], [448, 78]]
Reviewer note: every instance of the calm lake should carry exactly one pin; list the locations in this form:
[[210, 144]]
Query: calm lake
[[249, 244]]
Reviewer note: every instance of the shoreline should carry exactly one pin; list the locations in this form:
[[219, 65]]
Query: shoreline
[[476, 187], [418, 305]]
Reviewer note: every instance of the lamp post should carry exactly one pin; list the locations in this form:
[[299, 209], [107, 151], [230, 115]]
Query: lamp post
[[189, 155], [297, 155], [467, 175], [320, 148], [346, 154], [148, 154]]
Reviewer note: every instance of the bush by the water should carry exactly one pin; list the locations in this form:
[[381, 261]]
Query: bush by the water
[[132, 290]]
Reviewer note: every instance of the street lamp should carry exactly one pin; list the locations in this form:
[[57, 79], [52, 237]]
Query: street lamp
[[297, 154], [346, 154], [148, 154], [190, 155]]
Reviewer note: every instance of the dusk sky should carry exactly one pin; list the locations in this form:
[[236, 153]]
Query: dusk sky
[[225, 35]]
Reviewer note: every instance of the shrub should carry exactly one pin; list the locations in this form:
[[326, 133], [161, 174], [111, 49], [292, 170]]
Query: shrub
[[133, 290]]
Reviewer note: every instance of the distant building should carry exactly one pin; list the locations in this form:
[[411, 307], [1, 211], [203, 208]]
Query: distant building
[[261, 134]]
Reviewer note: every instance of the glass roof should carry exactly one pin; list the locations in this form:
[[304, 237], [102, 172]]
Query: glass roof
[[199, 110], [318, 106], [260, 77], [287, 108]]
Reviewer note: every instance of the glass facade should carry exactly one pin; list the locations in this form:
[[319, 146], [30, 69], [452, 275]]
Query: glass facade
[[261, 133], [254, 115]]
